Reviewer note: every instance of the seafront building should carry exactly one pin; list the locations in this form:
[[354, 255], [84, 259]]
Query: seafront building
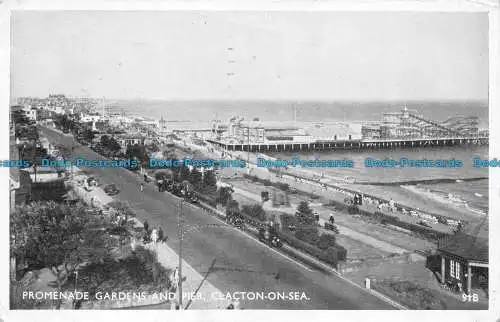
[[404, 129]]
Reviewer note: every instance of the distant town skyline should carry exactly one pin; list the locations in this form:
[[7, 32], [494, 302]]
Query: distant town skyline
[[305, 56]]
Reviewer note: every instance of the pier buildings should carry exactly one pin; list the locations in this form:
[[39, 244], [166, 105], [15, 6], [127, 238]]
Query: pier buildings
[[404, 129]]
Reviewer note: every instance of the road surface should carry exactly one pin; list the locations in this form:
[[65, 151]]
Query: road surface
[[241, 263]]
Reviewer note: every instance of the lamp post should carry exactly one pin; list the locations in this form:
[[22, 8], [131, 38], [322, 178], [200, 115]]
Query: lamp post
[[76, 283], [179, 287]]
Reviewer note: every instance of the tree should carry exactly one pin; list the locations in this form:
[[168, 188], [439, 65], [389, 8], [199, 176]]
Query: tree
[[153, 147], [232, 208], [169, 155], [254, 211], [163, 175], [209, 181], [32, 153], [326, 240], [307, 229], [87, 135], [195, 177], [184, 174], [305, 215], [59, 237], [140, 271], [19, 118], [109, 145], [139, 153], [308, 234], [225, 194]]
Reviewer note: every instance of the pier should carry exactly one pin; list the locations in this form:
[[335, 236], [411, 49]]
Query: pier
[[360, 144], [398, 130]]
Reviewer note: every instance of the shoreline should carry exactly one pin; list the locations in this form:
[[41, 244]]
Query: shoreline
[[336, 183]]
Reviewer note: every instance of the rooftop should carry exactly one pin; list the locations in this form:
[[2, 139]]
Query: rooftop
[[465, 246]]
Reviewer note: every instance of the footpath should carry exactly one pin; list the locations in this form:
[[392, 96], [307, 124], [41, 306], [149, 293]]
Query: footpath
[[198, 293]]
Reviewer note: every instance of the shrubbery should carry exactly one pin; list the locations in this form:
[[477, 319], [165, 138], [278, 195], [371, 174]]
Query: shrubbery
[[422, 232], [327, 240], [308, 234], [254, 211], [332, 256], [306, 239], [352, 210], [410, 294]]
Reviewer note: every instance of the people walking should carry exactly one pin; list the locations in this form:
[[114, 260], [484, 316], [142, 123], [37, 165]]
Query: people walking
[[142, 187], [154, 236], [175, 278], [146, 225], [160, 235]]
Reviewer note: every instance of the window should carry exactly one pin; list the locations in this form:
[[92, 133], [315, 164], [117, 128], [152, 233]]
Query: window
[[457, 270], [452, 268]]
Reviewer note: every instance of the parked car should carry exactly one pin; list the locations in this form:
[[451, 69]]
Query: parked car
[[111, 189]]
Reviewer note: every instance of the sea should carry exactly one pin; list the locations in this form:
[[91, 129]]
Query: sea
[[465, 186]]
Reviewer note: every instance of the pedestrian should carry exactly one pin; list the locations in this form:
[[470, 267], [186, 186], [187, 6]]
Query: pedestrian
[[154, 236], [175, 277], [146, 225], [160, 235], [142, 187]]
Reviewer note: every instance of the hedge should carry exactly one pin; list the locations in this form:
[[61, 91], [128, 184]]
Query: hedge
[[331, 256], [207, 199]]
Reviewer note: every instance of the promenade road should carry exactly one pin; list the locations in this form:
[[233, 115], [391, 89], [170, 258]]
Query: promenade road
[[241, 263]]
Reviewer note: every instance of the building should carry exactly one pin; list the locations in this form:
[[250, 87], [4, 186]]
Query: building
[[31, 113], [20, 182], [129, 139], [242, 131], [162, 127], [371, 132], [89, 118], [464, 261]]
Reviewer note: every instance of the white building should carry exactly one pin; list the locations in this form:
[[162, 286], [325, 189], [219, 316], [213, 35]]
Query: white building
[[31, 112], [89, 118]]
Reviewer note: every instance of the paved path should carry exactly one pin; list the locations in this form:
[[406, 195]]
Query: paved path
[[241, 263], [204, 294]]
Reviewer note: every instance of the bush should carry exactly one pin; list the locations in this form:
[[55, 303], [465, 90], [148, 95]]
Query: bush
[[410, 294], [352, 210], [331, 227], [308, 234], [420, 231], [207, 199], [254, 211], [288, 221], [331, 257], [326, 240], [283, 186]]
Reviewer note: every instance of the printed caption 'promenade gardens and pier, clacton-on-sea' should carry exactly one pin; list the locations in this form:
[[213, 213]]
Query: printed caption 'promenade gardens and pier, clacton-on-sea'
[[401, 200], [249, 160]]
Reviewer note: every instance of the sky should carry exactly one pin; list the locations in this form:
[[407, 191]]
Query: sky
[[251, 55]]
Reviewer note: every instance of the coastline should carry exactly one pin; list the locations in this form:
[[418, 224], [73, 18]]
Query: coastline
[[397, 193]]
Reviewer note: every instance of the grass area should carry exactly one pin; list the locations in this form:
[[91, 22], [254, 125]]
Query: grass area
[[357, 249], [410, 294]]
